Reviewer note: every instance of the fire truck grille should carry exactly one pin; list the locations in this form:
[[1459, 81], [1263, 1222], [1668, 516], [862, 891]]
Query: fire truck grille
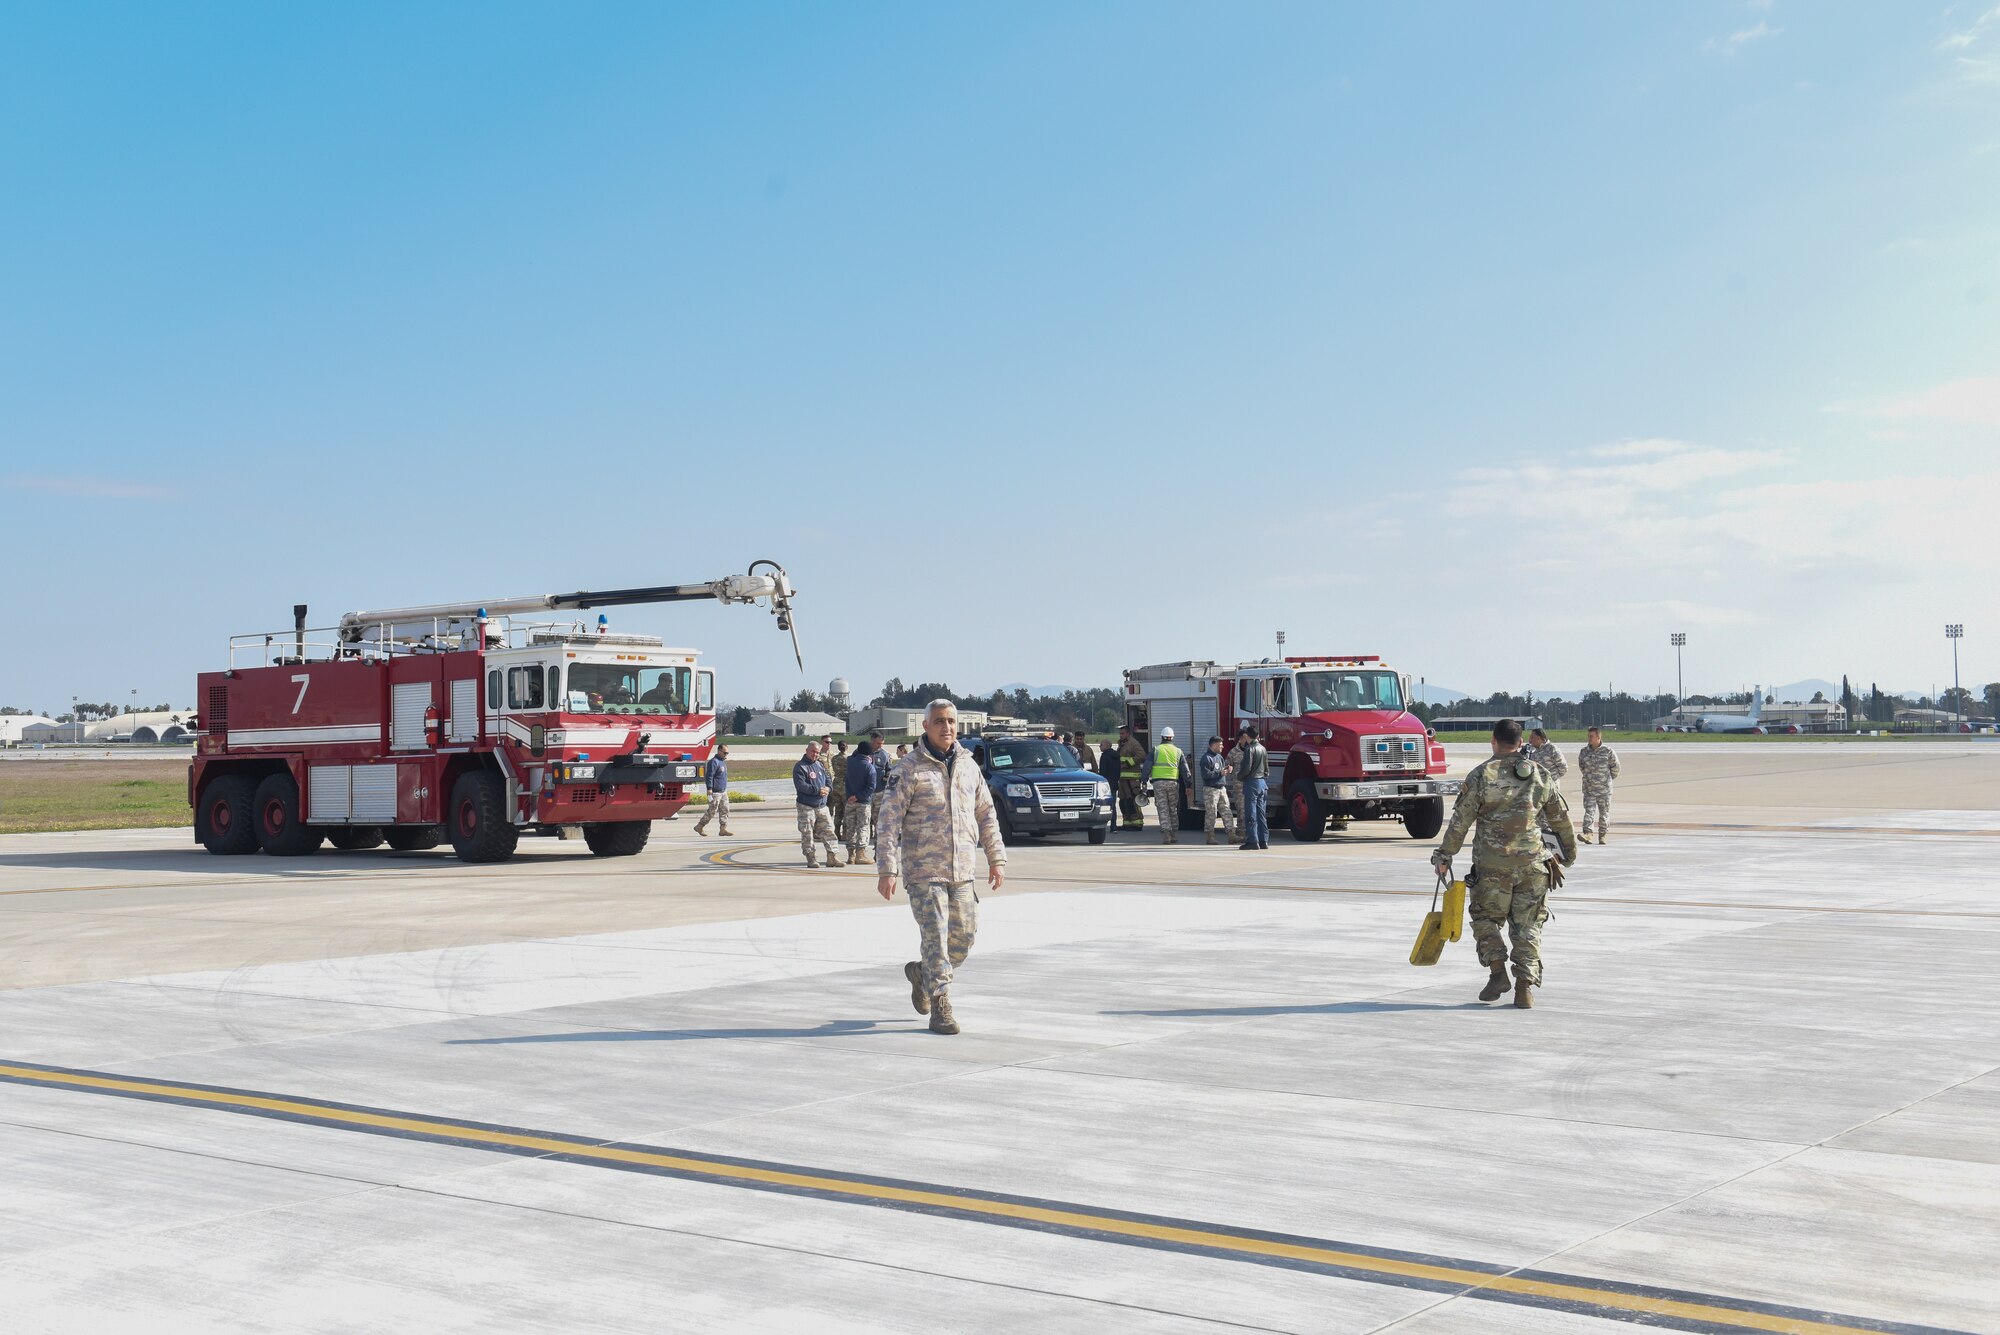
[[215, 718], [583, 793], [1393, 755], [1065, 794]]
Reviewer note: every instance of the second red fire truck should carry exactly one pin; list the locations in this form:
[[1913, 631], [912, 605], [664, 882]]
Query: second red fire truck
[[466, 722], [1343, 743]]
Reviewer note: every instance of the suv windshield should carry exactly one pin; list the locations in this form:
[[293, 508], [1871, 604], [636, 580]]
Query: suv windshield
[[1030, 755], [624, 688], [1354, 688]]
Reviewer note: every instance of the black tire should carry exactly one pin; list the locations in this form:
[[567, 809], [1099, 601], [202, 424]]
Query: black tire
[[1424, 819], [1190, 814], [477, 819], [1097, 834], [617, 839], [415, 838], [1306, 813], [355, 838], [280, 831], [1007, 835], [224, 815]]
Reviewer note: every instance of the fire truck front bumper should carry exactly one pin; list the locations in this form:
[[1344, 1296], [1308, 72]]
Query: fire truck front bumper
[[1380, 790]]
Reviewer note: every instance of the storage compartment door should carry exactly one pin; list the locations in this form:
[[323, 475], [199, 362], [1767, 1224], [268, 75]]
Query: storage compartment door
[[408, 700], [464, 711], [328, 794], [373, 799]]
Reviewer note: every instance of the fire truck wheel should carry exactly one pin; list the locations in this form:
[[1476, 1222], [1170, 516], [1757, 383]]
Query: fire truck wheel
[[1308, 813], [415, 838], [279, 829], [354, 838], [617, 839], [1424, 819], [479, 828], [224, 821]]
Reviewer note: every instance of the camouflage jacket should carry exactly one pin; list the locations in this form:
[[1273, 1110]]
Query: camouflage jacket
[[1598, 767], [937, 811], [1549, 758], [1506, 803], [836, 774]]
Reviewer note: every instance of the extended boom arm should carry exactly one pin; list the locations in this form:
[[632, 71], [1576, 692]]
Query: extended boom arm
[[413, 622]]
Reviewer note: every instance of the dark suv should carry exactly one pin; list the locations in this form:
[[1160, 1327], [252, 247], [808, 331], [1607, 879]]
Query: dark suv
[[1039, 788]]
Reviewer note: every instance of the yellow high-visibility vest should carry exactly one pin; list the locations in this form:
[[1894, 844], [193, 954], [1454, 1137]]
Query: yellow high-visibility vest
[[1166, 761]]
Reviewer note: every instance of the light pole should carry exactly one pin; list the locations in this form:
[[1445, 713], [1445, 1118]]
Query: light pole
[[1679, 640], [1954, 632], [1281, 646]]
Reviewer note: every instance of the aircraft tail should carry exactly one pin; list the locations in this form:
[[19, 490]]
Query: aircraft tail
[[1756, 703]]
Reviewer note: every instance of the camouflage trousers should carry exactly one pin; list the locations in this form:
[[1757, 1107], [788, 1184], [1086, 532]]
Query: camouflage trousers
[[1217, 812], [1167, 801], [874, 816], [1514, 897], [1597, 800], [815, 827], [947, 916], [1236, 810], [854, 827], [718, 811], [836, 806]]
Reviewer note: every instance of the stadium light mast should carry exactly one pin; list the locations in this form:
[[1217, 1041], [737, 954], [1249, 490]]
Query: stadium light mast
[[1955, 632], [1679, 640]]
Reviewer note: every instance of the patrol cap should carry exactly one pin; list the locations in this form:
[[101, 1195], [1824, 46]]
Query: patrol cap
[[1166, 732]]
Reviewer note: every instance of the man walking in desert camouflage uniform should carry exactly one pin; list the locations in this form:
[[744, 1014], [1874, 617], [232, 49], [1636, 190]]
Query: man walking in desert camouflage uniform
[[1509, 882], [937, 809], [1598, 766]]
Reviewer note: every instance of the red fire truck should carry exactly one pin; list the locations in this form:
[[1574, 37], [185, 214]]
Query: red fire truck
[[459, 721], [1343, 745]]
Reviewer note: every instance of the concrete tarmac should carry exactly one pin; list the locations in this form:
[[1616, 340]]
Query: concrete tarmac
[[1197, 1088]]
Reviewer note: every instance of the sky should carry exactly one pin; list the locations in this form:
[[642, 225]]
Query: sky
[[1036, 340]]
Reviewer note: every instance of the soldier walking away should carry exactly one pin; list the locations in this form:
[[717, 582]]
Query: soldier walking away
[[1597, 765], [860, 796], [937, 808], [1167, 770], [1256, 774], [811, 785], [836, 772], [1509, 883], [878, 752], [716, 775], [1216, 772], [1131, 774], [1235, 772]]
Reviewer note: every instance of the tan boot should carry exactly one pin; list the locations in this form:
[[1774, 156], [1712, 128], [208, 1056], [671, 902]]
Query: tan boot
[[1495, 985], [863, 859], [1524, 998], [942, 1020], [834, 859], [919, 998]]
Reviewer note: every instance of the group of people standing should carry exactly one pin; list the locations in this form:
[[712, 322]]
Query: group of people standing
[[1235, 785], [839, 799]]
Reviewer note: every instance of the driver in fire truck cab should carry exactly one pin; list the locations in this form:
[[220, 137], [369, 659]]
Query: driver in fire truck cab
[[1338, 692], [613, 688]]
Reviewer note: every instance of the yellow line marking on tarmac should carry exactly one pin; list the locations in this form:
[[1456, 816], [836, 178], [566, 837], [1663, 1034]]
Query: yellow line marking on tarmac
[[1550, 1291]]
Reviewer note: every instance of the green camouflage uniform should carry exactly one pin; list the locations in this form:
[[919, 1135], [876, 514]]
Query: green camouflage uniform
[[1235, 786], [1551, 760], [938, 812], [836, 775], [1598, 766], [1509, 883]]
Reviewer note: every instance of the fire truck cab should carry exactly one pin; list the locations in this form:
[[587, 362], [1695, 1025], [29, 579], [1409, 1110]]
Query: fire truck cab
[[458, 722], [1342, 743]]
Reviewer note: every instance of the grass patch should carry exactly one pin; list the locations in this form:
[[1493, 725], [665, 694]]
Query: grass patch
[[42, 795], [701, 799]]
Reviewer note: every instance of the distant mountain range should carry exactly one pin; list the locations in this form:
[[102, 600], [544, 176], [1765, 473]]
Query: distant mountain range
[[1013, 686]]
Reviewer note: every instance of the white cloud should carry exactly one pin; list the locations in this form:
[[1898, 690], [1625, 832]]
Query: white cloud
[[96, 488], [1736, 41], [1983, 27], [1971, 402]]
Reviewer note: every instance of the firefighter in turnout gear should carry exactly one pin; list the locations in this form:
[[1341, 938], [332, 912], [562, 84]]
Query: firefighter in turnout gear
[[1508, 887], [1131, 775]]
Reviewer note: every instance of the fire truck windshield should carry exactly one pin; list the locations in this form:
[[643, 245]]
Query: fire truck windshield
[[1352, 688], [626, 688]]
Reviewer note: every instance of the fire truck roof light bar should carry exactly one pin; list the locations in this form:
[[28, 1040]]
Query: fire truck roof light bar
[[1338, 658]]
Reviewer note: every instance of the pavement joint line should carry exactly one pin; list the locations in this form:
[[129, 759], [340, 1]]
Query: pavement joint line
[[1604, 1299]]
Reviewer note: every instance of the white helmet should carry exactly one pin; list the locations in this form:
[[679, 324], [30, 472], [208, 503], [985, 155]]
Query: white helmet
[[1166, 734]]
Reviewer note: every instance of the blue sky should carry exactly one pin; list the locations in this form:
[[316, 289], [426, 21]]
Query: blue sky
[[1036, 340]]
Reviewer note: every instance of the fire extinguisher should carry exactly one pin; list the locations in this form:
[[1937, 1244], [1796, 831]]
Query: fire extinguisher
[[433, 727]]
